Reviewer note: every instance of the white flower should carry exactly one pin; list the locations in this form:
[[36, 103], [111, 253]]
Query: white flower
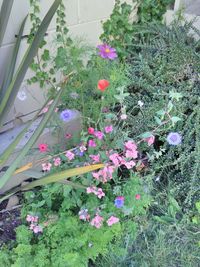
[[140, 103], [21, 95]]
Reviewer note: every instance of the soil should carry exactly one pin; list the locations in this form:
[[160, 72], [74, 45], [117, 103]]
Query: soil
[[9, 220]]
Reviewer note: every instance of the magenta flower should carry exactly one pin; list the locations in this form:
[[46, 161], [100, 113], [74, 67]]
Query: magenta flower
[[106, 51], [91, 143], [70, 155], [99, 135], [108, 129]]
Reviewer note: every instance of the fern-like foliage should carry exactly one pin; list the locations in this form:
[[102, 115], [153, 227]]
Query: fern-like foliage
[[168, 59]]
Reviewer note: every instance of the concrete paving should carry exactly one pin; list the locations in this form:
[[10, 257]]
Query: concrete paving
[[192, 7]]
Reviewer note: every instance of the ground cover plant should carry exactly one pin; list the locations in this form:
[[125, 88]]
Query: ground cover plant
[[140, 121]]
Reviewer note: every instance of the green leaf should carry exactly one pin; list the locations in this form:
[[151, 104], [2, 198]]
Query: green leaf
[[146, 135], [175, 119], [27, 59], [4, 17], [11, 67], [56, 177], [158, 121]]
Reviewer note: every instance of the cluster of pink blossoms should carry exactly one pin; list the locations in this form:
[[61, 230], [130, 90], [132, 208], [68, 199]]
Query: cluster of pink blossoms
[[34, 226], [98, 134], [97, 191], [105, 174], [97, 221]]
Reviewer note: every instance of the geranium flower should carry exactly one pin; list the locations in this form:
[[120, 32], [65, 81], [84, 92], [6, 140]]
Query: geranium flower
[[99, 135], [119, 202], [174, 138], [112, 220], [102, 85], [95, 158], [43, 147], [70, 155], [91, 143], [97, 221], [106, 51], [66, 115], [137, 196], [57, 161], [46, 167], [150, 140], [108, 129], [91, 130], [37, 229]]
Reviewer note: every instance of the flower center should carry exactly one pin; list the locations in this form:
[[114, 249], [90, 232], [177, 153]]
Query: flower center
[[107, 50]]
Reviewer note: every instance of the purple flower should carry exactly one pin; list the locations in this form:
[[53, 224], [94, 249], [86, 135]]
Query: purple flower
[[119, 202], [174, 138], [106, 51], [66, 115]]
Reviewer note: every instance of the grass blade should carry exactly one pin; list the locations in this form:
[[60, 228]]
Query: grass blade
[[56, 177], [4, 17], [11, 66], [13, 88], [30, 143]]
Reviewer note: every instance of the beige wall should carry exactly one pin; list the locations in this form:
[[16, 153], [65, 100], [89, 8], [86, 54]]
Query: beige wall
[[84, 19]]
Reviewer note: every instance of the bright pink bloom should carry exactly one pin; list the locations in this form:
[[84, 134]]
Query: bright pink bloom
[[91, 130], [106, 51], [30, 218], [102, 85], [131, 154], [97, 221], [95, 158], [57, 161], [46, 166], [130, 164], [43, 147], [91, 143], [150, 140], [137, 196], [70, 155], [97, 191], [131, 150], [99, 135], [91, 189], [112, 220], [108, 129]]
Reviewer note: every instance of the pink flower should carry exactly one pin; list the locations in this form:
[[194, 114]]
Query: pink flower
[[116, 159], [99, 135], [91, 130], [37, 229], [150, 140], [46, 166], [130, 164], [91, 189], [56, 110], [82, 148], [30, 218], [97, 221], [70, 155], [123, 117], [91, 143], [137, 196], [130, 145], [104, 174], [43, 147], [100, 193], [95, 158], [108, 129], [106, 51], [112, 220], [131, 150], [97, 191], [68, 136], [57, 161]]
